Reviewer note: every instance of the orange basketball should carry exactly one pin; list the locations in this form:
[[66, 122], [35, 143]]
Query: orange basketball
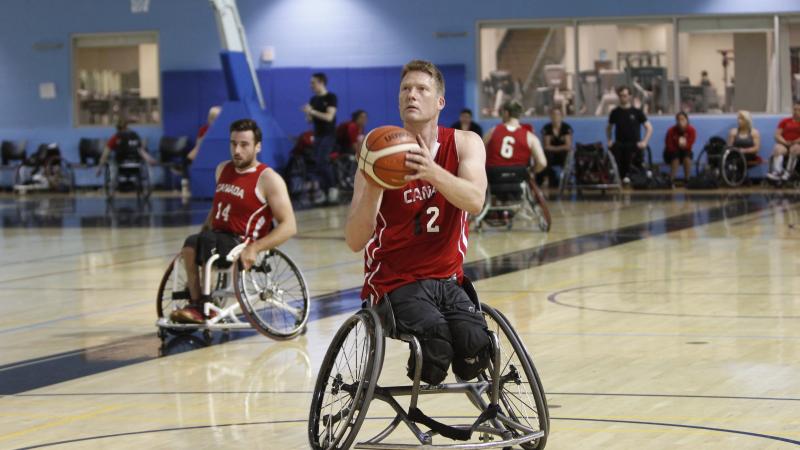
[[383, 156]]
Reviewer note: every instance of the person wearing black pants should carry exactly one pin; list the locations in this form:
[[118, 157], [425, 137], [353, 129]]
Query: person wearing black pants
[[321, 110], [627, 121]]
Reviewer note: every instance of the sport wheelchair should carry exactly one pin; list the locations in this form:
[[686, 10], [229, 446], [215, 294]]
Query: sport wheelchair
[[725, 163], [512, 191], [272, 295], [508, 394], [44, 170], [590, 167], [128, 171]]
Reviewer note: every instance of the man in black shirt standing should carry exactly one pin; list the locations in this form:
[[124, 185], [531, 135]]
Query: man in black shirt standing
[[321, 110], [627, 144]]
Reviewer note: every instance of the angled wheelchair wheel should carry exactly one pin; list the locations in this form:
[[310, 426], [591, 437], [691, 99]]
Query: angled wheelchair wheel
[[523, 406], [734, 168], [173, 293], [144, 188], [538, 204], [346, 382], [109, 185], [59, 174], [273, 295]]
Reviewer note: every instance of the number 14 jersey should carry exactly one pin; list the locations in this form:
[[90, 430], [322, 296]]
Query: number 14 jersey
[[419, 234], [239, 207]]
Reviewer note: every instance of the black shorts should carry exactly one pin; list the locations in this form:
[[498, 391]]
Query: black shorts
[[209, 242], [680, 155], [442, 316], [555, 158]]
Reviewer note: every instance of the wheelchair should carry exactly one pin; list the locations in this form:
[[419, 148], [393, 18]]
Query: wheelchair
[[725, 163], [589, 167], [344, 167], [512, 191], [44, 170], [128, 172], [508, 394], [272, 295]]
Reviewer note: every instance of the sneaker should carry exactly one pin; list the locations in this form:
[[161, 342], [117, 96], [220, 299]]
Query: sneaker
[[774, 176], [319, 198], [189, 314], [626, 180], [785, 175]]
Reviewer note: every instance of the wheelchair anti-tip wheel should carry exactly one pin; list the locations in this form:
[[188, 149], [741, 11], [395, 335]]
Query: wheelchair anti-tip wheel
[[523, 406], [273, 295], [346, 382]]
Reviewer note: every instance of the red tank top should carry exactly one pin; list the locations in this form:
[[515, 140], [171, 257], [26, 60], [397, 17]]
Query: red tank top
[[419, 234], [508, 148], [238, 207]]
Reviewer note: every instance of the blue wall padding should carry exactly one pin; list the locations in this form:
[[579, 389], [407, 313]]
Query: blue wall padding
[[187, 95], [238, 79]]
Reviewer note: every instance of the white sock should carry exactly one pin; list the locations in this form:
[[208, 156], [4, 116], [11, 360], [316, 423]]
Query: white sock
[[791, 164], [777, 164]]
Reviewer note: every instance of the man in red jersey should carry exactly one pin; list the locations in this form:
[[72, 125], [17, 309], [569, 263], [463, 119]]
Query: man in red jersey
[[511, 144], [249, 195], [414, 238], [787, 141]]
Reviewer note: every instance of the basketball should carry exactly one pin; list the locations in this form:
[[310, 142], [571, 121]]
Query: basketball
[[383, 156]]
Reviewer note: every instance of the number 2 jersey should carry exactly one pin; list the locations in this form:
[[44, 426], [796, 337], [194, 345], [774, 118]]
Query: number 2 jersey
[[508, 146], [419, 234], [239, 208]]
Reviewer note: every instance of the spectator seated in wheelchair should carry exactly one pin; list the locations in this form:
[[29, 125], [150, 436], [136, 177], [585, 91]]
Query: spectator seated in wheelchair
[[510, 149], [248, 196], [787, 142], [127, 166], [745, 138]]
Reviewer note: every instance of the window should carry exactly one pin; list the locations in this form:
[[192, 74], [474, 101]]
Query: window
[[116, 76], [709, 50], [638, 55], [789, 45], [530, 64]]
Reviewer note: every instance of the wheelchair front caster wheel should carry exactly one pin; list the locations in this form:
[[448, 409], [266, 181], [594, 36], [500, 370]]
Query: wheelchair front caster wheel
[[207, 335]]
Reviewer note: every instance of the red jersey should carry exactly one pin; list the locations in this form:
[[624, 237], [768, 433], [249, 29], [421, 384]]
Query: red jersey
[[791, 129], [239, 208], [672, 141], [508, 147], [419, 234]]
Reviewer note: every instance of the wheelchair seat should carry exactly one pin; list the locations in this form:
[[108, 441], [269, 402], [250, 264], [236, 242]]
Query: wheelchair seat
[[506, 182]]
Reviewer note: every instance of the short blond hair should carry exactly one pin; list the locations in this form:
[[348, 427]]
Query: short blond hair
[[748, 118], [419, 65]]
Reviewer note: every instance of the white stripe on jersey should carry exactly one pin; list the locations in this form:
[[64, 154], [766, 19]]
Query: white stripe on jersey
[[247, 229]]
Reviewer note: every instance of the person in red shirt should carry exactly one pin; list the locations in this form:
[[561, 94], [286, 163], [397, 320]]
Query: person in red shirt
[[350, 134], [678, 145], [414, 238], [130, 140], [512, 144], [787, 140], [248, 196], [213, 113]]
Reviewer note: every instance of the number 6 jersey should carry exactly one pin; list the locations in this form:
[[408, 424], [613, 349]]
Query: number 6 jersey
[[508, 146], [239, 208], [419, 234]]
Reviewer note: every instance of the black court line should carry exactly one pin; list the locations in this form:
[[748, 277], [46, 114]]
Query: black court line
[[288, 421], [300, 392], [32, 374]]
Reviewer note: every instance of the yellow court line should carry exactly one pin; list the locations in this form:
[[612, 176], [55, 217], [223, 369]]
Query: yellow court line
[[63, 421]]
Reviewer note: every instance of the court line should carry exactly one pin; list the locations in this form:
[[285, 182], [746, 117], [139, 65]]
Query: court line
[[63, 421], [524, 259], [288, 421], [302, 392], [553, 298]]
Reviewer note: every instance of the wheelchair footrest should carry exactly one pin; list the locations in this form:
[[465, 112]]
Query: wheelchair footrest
[[457, 434]]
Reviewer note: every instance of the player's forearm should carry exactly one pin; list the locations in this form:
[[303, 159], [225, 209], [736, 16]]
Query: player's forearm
[[361, 218], [462, 193], [325, 116], [277, 236]]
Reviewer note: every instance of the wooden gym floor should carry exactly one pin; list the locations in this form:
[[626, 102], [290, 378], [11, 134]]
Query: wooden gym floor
[[658, 320]]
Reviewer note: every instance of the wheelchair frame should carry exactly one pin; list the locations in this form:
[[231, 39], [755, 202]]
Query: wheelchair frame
[[506, 428], [724, 164], [569, 181], [229, 283], [532, 206], [143, 185]]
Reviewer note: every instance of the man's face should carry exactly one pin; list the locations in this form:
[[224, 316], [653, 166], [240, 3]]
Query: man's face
[[465, 118], [624, 97], [243, 148], [419, 100], [316, 86], [361, 120]]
